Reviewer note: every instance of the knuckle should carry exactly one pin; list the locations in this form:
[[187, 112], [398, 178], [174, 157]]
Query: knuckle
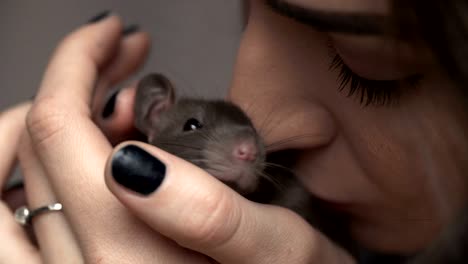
[[213, 221], [45, 120]]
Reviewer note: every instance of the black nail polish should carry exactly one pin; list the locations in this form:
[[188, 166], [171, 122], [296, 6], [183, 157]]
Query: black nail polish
[[128, 30], [99, 17], [110, 105], [137, 170]]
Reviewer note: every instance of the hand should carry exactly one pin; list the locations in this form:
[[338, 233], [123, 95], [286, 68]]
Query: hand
[[197, 211], [12, 123], [63, 155], [18, 249]]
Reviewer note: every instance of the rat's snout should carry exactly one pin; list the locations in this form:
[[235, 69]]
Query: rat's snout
[[245, 151]]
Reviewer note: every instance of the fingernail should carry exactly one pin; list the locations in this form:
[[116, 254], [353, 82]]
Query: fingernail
[[137, 170], [128, 30], [99, 17], [110, 105]]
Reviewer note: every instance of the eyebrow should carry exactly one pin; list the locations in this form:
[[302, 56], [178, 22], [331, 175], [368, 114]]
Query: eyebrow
[[332, 21]]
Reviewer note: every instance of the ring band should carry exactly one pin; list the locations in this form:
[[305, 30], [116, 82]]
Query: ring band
[[23, 215]]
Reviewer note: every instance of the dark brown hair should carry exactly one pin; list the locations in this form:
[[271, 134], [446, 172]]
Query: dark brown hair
[[443, 25]]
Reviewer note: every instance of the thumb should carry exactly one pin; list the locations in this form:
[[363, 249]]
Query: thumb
[[184, 203]]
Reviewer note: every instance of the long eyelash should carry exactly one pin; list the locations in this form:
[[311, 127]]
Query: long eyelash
[[369, 92]]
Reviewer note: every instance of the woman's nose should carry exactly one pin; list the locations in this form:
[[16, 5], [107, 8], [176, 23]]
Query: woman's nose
[[295, 125]]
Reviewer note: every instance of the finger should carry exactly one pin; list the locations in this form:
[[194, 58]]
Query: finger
[[12, 123], [51, 230], [104, 230], [16, 247], [14, 197], [66, 91], [130, 56], [74, 68], [19, 248], [61, 131], [68, 84], [120, 125], [114, 112], [201, 213], [132, 52]]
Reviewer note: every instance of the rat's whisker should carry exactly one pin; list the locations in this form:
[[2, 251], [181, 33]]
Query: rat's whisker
[[275, 165], [273, 180], [205, 135]]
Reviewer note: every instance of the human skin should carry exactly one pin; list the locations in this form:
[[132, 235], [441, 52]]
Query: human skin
[[396, 170], [410, 145]]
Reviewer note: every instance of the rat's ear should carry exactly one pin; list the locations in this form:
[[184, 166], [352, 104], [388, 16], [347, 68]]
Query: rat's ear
[[154, 95]]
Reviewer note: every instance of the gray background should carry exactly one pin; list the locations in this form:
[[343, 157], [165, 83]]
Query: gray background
[[193, 42]]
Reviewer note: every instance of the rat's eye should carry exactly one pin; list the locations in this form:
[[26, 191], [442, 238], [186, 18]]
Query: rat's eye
[[192, 124]]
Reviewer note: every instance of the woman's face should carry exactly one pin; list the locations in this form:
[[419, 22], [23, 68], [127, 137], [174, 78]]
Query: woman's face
[[394, 162]]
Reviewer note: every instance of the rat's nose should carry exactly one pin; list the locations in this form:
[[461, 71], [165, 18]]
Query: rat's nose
[[245, 150]]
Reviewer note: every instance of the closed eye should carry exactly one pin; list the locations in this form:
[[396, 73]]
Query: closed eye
[[368, 91]]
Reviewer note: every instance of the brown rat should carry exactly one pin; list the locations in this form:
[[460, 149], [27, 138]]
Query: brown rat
[[212, 134], [218, 137]]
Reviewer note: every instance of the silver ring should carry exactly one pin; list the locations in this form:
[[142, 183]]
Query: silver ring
[[23, 215]]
